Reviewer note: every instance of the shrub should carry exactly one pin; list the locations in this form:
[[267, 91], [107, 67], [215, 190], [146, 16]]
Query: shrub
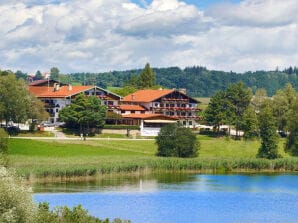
[[131, 127], [176, 141], [3, 141], [15, 199]]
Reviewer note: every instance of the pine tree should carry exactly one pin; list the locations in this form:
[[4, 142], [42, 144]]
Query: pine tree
[[268, 134], [147, 78], [292, 140]]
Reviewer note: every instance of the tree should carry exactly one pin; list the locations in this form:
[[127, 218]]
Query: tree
[[238, 98], [54, 73], [216, 112], [38, 75], [292, 140], [250, 124], [268, 134], [84, 113], [176, 141], [282, 105], [16, 103], [259, 98], [147, 77]]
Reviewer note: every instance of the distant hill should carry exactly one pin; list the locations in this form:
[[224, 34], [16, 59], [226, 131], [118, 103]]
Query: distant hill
[[199, 81]]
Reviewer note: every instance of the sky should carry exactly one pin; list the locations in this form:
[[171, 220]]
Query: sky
[[106, 35]]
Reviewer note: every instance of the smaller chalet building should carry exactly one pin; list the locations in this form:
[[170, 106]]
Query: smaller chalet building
[[57, 97], [164, 105]]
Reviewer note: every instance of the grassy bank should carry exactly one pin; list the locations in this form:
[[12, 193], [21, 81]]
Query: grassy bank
[[40, 159]]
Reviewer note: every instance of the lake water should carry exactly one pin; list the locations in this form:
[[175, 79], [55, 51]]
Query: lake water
[[182, 198]]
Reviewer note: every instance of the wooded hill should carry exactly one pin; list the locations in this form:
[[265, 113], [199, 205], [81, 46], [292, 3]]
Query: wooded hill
[[199, 81]]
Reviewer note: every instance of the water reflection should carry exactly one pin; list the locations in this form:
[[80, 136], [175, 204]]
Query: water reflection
[[180, 198], [176, 182]]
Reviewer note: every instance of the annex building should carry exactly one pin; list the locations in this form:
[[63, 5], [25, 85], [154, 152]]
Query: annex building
[[56, 96]]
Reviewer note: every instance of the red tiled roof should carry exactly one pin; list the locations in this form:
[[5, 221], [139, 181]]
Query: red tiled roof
[[147, 116], [146, 95], [64, 91], [132, 108]]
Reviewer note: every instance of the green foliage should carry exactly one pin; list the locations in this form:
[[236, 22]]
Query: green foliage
[[282, 105], [229, 106], [198, 81], [216, 112], [3, 141], [67, 215], [38, 75], [54, 73], [16, 103], [146, 78], [16, 203], [292, 140], [132, 127], [84, 112], [126, 90], [250, 124], [268, 135], [176, 141]]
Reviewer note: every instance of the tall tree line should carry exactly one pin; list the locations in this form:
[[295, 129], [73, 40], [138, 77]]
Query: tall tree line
[[199, 81]]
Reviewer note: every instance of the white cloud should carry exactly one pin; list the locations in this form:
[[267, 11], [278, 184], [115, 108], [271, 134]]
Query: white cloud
[[100, 35], [264, 13]]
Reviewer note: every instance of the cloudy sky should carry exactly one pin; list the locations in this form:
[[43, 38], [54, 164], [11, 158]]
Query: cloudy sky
[[104, 35]]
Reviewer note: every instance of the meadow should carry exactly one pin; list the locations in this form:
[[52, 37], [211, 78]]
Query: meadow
[[67, 159]]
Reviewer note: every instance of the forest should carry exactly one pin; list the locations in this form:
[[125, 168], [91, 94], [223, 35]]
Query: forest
[[199, 81]]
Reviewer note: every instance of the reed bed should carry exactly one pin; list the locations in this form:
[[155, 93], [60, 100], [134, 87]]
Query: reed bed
[[46, 159]]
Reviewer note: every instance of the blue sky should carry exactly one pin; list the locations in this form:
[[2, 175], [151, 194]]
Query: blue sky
[[104, 35], [203, 4]]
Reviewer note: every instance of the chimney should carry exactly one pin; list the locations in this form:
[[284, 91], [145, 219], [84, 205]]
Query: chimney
[[56, 87], [182, 90], [70, 87], [132, 97]]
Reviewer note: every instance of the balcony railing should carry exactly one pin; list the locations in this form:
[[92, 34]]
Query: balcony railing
[[175, 109]]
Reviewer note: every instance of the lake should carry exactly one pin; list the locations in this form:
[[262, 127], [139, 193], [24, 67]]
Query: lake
[[181, 198]]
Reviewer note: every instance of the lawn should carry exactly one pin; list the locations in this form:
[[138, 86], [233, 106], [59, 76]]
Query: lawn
[[80, 158]]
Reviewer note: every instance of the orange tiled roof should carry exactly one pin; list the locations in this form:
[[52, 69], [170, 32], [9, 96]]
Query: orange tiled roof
[[146, 95], [147, 116], [64, 91], [132, 108]]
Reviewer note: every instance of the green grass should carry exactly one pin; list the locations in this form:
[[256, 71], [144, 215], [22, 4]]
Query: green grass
[[49, 158]]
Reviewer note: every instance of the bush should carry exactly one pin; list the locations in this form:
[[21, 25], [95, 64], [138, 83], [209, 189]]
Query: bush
[[177, 141], [131, 127], [3, 141], [15, 199]]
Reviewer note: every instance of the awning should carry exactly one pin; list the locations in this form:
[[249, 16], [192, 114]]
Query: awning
[[160, 121]]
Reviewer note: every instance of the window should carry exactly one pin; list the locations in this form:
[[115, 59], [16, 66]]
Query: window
[[161, 105], [110, 103], [57, 110], [156, 104], [184, 122], [122, 112], [132, 112], [190, 122]]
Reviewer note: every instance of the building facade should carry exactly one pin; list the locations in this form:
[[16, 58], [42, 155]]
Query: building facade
[[164, 102], [56, 97]]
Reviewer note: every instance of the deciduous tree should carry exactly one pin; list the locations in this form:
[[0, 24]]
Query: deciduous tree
[[292, 140], [84, 113], [176, 141]]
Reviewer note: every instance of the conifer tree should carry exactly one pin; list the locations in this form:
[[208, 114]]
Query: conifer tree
[[268, 134], [147, 78]]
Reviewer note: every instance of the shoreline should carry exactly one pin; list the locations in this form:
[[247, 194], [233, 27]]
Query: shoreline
[[150, 172]]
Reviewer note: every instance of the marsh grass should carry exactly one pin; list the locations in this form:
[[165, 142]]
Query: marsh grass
[[45, 159]]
